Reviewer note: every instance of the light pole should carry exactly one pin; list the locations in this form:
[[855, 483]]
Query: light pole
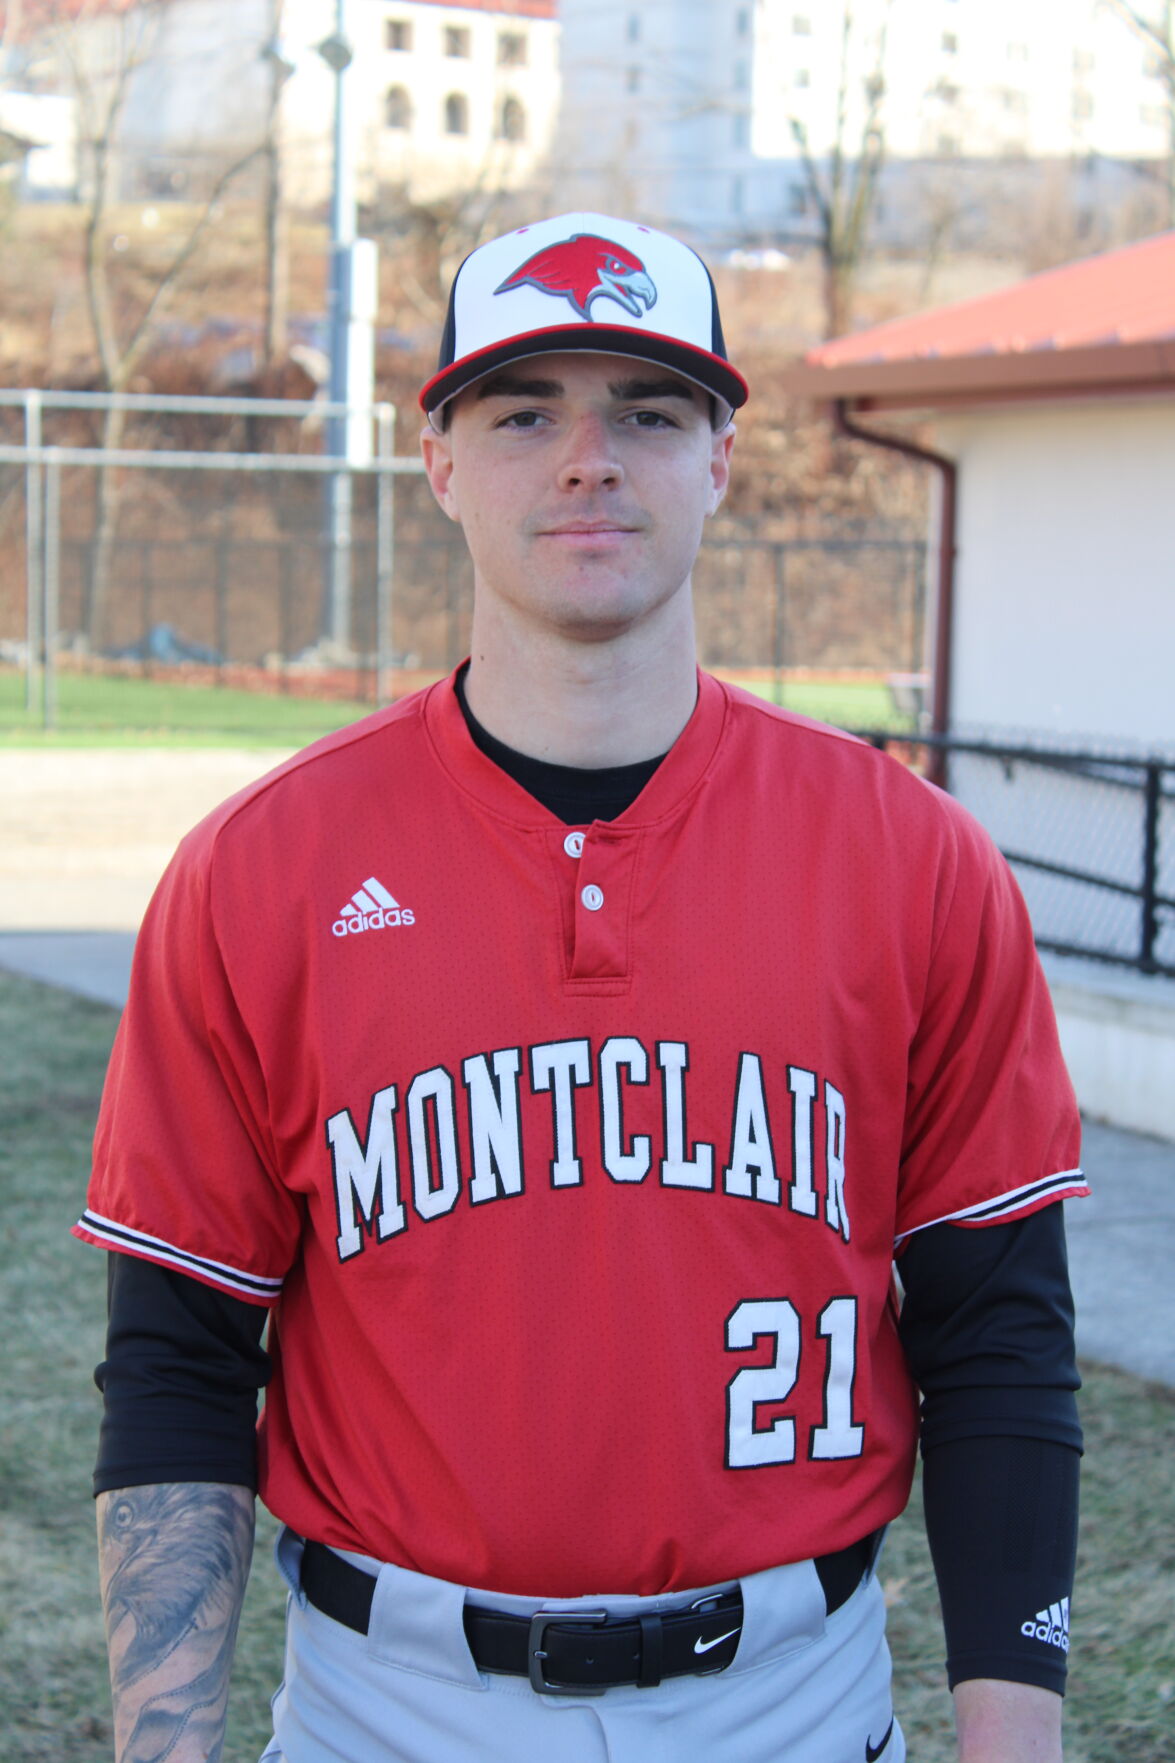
[[350, 346]]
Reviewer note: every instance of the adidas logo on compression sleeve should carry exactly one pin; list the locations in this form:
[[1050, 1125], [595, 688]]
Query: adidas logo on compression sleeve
[[371, 907], [1051, 1626]]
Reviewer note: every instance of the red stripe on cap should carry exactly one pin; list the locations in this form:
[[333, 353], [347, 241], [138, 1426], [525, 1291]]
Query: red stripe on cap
[[723, 380]]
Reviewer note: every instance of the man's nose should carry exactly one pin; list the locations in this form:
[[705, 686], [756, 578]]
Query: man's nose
[[590, 456]]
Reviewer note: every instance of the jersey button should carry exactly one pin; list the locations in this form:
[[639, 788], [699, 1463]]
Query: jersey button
[[573, 844], [592, 897]]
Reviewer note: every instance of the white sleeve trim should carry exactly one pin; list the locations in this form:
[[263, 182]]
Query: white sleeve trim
[[121, 1236], [1050, 1187]]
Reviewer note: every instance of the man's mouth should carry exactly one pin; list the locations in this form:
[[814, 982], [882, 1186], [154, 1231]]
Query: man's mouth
[[575, 529]]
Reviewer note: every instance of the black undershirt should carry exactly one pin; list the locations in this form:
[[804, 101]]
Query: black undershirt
[[986, 1325]]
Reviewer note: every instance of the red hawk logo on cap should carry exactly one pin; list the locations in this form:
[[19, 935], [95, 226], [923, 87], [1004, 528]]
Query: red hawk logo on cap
[[587, 268]]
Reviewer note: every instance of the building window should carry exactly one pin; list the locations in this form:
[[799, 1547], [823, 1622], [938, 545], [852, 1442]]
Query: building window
[[741, 129], [736, 195], [950, 43], [456, 114], [948, 146], [397, 33], [800, 26], [456, 40], [634, 27], [739, 77], [510, 123], [797, 200], [632, 80], [512, 47], [398, 109], [1082, 106], [801, 77], [742, 22]]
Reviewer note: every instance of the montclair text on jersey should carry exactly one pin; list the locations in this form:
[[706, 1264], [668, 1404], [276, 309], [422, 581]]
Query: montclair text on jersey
[[373, 1197]]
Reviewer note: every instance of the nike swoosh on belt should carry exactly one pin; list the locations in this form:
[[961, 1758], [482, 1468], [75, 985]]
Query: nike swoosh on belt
[[872, 1752], [701, 1646]]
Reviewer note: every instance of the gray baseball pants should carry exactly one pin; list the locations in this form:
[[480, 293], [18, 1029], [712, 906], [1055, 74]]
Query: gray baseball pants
[[803, 1687]]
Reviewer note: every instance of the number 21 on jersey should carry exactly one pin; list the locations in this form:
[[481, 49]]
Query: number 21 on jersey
[[748, 1446]]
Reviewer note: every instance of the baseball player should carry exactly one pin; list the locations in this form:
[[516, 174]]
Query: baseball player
[[560, 1059]]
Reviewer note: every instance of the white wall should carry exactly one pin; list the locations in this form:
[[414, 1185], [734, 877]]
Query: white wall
[[1065, 587], [51, 168]]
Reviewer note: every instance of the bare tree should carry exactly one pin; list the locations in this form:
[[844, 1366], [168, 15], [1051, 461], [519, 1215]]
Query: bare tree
[[1155, 26], [101, 74], [843, 191]]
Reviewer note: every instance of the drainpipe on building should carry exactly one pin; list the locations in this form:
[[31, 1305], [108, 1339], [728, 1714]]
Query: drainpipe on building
[[940, 703]]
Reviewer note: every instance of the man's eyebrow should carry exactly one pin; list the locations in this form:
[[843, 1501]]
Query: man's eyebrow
[[513, 385], [632, 391]]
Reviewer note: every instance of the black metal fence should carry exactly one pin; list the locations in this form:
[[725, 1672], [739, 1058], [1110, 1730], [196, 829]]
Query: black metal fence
[[1090, 836]]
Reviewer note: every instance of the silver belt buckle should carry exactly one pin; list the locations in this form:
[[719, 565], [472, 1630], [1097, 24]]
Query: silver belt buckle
[[539, 1624]]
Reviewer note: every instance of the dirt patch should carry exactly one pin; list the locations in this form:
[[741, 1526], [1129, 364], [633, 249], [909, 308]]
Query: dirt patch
[[85, 836]]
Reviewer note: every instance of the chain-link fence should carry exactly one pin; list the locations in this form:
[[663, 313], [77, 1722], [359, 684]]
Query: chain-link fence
[[1090, 836], [145, 535]]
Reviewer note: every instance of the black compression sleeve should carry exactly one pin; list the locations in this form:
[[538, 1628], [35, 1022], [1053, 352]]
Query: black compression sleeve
[[1001, 1518], [987, 1325], [183, 1366]]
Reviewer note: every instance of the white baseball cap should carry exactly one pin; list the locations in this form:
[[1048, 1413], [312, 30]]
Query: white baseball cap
[[583, 281]]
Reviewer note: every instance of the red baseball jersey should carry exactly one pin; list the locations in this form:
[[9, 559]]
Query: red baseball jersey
[[572, 1161]]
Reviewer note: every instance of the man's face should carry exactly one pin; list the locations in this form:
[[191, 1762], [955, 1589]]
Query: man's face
[[581, 483]]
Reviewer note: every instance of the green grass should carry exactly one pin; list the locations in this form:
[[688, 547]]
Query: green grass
[[844, 703], [52, 1665], [96, 710]]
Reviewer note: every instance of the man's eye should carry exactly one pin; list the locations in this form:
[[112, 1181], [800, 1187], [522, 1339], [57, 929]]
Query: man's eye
[[521, 419], [651, 419]]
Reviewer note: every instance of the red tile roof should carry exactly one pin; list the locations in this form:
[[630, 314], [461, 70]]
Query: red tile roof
[[1106, 322]]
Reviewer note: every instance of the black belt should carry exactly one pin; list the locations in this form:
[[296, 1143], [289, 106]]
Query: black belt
[[576, 1655]]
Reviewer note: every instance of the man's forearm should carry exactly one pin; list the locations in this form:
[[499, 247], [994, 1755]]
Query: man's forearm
[[1007, 1722], [173, 1559]]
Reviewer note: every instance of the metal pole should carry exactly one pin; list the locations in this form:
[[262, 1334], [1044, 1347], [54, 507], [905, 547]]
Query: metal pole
[[33, 543], [51, 584], [777, 643], [338, 53], [385, 541], [1152, 798]]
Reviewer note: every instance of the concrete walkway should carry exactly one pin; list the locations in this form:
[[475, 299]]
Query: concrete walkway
[[72, 821]]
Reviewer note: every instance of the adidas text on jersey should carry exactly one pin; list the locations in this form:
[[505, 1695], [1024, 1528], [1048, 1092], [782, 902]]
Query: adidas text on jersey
[[371, 907]]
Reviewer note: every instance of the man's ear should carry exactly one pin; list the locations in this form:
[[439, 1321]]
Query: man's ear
[[437, 451], [720, 451]]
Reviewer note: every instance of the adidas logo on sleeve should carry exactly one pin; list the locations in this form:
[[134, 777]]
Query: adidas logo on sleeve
[[1051, 1626], [371, 907]]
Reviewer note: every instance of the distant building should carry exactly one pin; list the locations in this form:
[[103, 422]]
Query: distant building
[[449, 97], [697, 107]]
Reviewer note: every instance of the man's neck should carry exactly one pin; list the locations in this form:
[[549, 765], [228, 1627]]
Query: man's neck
[[583, 704]]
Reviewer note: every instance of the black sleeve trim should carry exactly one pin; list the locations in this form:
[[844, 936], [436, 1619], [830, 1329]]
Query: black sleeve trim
[[184, 1363]]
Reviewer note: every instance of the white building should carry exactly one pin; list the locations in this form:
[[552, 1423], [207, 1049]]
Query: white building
[[701, 103], [447, 97], [1051, 405]]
